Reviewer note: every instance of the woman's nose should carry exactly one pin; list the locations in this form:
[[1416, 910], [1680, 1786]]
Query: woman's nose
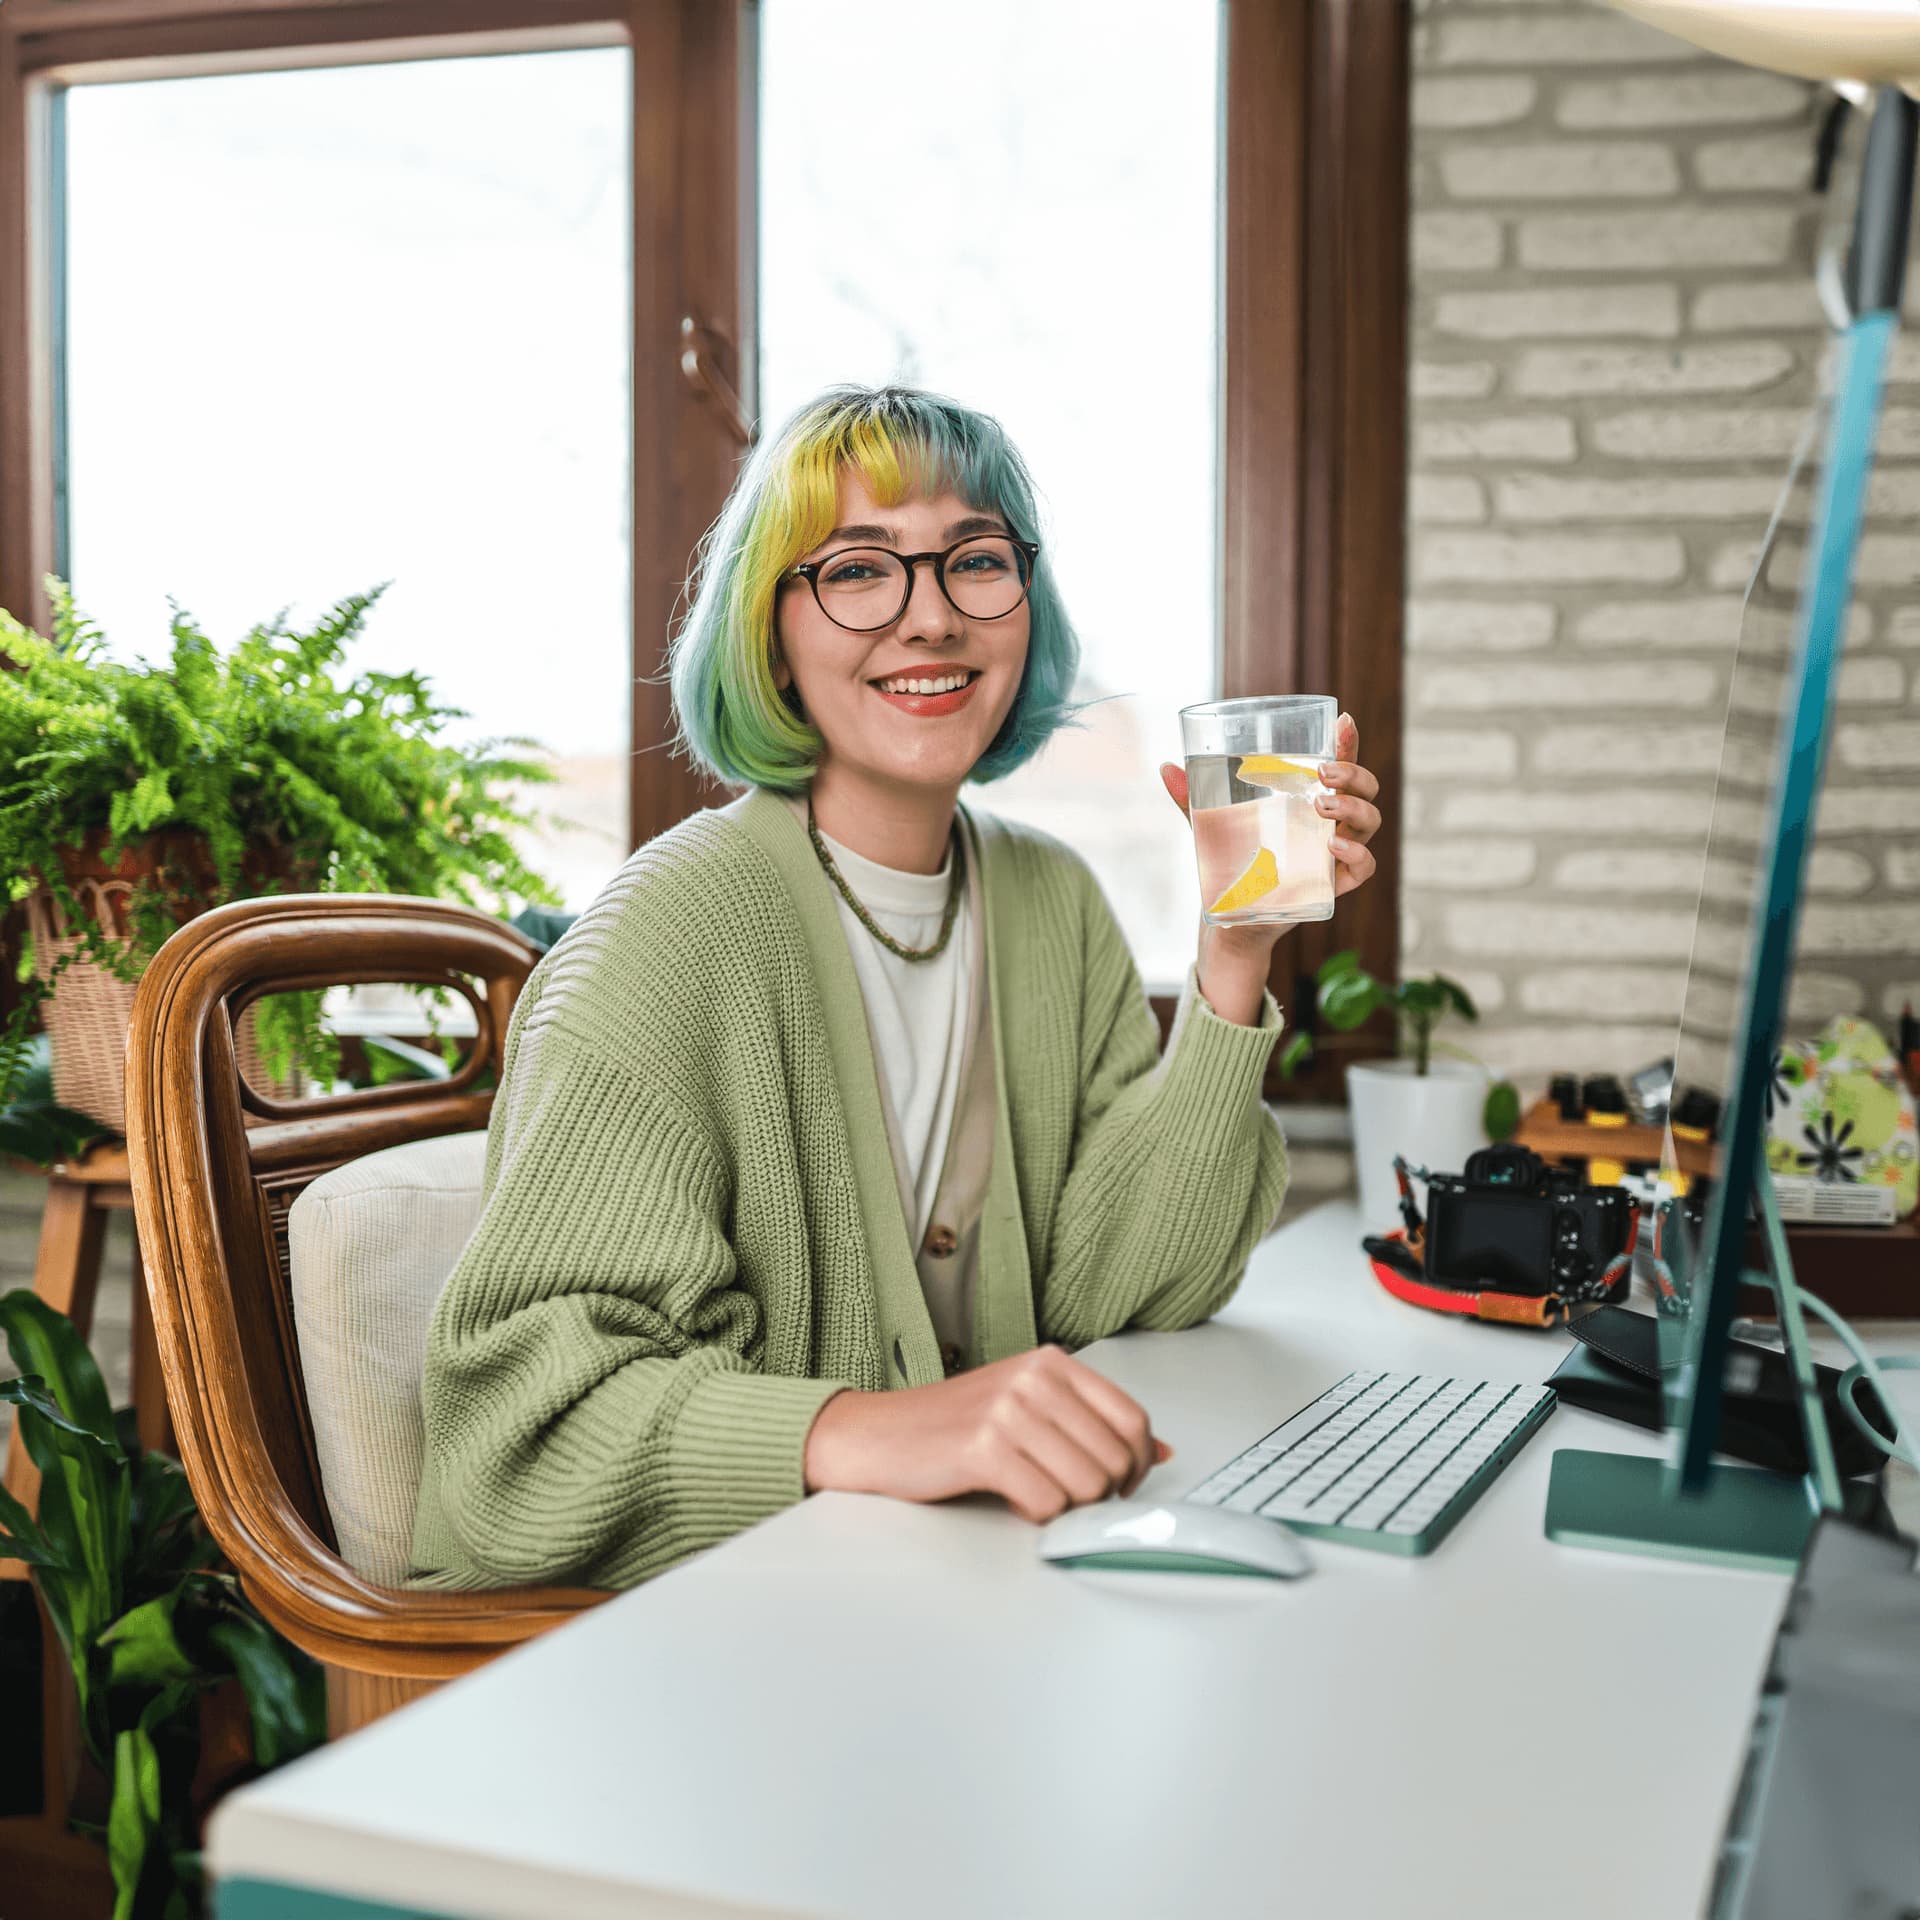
[[929, 615]]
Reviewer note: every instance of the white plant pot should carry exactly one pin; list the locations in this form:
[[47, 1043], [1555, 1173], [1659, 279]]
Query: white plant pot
[[1433, 1119]]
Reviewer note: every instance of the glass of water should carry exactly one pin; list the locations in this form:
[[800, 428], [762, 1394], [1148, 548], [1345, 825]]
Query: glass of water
[[1253, 774]]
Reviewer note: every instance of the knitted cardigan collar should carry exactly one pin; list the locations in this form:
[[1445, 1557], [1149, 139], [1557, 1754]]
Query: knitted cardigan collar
[[1003, 1299]]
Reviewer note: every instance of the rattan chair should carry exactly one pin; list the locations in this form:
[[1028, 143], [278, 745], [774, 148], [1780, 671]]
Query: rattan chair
[[216, 1165]]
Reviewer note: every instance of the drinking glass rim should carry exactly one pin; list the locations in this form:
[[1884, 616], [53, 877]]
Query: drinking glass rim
[[1260, 702]]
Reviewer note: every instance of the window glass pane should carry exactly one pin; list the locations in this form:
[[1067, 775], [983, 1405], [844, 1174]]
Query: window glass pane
[[362, 324], [1018, 206]]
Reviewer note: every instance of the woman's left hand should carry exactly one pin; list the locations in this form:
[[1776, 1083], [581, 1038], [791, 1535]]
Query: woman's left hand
[[1234, 961]]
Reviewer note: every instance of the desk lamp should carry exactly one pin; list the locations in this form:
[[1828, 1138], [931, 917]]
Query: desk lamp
[[1689, 1507]]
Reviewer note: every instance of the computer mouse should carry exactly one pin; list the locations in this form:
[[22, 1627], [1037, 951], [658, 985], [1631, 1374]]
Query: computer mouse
[[1166, 1536]]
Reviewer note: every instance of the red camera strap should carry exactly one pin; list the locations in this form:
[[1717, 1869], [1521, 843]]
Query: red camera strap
[[1516, 1309]]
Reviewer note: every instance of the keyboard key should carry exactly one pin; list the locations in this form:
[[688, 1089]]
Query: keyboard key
[[1388, 1454]]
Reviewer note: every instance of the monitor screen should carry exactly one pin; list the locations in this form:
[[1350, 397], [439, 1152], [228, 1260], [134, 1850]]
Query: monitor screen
[[1736, 1007]]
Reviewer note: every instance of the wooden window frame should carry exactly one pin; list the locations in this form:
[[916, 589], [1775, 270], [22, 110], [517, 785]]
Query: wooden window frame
[[1313, 416], [691, 283], [1314, 283]]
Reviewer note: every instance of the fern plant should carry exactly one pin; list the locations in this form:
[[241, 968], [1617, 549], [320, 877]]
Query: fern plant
[[267, 768]]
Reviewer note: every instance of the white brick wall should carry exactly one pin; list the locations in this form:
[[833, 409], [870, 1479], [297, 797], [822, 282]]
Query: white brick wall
[[1614, 343]]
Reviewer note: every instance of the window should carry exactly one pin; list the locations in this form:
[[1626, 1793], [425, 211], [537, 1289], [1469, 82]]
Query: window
[[1187, 257], [987, 222], [334, 327]]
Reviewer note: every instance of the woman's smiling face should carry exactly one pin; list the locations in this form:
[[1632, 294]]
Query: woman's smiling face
[[851, 684]]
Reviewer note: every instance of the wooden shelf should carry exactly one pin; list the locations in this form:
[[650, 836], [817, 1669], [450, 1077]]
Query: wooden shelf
[[1865, 1273], [1553, 1138]]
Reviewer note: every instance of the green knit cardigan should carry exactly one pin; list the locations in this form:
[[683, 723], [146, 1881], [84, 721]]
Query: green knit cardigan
[[691, 1233]]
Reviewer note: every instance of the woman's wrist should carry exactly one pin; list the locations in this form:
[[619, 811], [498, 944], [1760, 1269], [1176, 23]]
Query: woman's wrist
[[829, 1461], [1232, 971]]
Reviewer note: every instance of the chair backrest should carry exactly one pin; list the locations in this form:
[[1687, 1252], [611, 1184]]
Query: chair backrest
[[217, 1164], [370, 1245]]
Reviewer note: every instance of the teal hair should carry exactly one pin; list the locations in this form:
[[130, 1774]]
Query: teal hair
[[733, 720]]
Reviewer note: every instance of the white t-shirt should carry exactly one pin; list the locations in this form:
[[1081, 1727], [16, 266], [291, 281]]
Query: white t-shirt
[[916, 1009]]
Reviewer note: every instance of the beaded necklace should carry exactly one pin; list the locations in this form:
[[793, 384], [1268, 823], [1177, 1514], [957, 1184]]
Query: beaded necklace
[[867, 920]]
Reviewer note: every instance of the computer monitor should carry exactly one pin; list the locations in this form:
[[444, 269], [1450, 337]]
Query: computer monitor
[[1769, 782]]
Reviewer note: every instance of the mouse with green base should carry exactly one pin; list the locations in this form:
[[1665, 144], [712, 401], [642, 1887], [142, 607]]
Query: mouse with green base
[[1168, 1536]]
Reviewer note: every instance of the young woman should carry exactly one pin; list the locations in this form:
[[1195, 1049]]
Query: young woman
[[841, 1117]]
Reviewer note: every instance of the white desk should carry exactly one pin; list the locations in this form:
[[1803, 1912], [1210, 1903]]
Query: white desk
[[868, 1708]]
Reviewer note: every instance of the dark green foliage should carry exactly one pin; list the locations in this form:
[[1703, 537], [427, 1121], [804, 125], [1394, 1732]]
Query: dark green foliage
[[389, 1059], [290, 773], [128, 1577], [1350, 996], [32, 1127]]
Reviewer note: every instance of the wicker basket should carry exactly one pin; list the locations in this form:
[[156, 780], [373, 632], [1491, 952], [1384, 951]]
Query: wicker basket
[[89, 1011]]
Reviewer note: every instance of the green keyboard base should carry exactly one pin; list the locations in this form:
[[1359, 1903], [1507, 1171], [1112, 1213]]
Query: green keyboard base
[[1411, 1545]]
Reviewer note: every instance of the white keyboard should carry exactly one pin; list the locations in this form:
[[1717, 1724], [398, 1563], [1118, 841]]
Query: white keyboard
[[1388, 1460]]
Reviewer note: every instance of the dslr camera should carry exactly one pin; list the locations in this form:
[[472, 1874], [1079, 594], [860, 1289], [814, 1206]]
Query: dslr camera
[[1513, 1223]]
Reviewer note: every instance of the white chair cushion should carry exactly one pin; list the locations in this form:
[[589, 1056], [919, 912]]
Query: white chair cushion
[[370, 1245]]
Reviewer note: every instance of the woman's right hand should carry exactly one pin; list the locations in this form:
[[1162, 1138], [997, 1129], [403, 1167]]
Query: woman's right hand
[[1041, 1430]]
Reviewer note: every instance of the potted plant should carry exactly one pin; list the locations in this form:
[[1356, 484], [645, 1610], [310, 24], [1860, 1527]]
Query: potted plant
[[155, 1632], [1432, 1112], [135, 796]]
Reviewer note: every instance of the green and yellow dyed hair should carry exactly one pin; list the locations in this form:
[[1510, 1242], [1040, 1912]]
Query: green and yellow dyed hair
[[732, 719]]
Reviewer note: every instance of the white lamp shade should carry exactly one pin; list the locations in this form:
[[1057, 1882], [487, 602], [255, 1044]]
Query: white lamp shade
[[1872, 41]]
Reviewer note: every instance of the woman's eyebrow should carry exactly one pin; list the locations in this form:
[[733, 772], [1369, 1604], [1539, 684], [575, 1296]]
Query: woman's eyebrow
[[975, 523], [885, 536]]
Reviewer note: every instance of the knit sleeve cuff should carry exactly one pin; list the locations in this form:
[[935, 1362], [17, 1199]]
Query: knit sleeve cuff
[[1213, 1068], [739, 1444]]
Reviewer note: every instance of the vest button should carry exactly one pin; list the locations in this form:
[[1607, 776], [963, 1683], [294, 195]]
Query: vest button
[[950, 1359], [941, 1241]]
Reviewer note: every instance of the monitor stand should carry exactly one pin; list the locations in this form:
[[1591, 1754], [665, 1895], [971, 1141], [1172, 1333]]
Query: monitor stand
[[1743, 1516]]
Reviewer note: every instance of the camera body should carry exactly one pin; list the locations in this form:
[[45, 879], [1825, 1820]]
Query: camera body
[[1513, 1223]]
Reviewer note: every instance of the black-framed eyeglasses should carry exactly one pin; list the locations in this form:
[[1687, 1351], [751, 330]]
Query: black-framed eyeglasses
[[866, 588]]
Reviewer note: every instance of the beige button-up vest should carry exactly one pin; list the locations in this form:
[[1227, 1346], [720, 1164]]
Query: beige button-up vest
[[948, 1257]]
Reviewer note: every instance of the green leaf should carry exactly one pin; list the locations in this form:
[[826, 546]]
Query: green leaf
[[1295, 1054], [134, 1819], [29, 1390], [84, 1501], [1457, 996], [187, 1901], [143, 1650], [286, 1692], [166, 1540], [1502, 1112], [152, 1771], [32, 1126], [20, 1535], [43, 1341], [389, 1059], [1335, 964], [44, 1135], [543, 927], [1350, 999], [1421, 999]]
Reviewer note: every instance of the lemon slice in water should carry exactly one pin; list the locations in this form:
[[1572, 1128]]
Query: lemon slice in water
[[1281, 775], [1261, 877]]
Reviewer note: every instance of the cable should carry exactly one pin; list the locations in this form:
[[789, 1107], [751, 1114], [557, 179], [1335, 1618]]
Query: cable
[[1902, 1446]]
